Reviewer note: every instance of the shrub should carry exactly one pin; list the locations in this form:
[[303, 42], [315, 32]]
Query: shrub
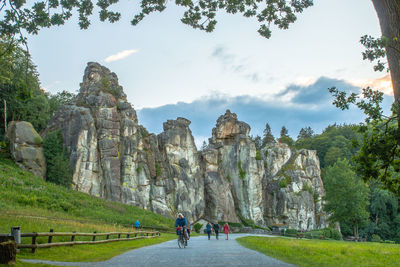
[[139, 169], [258, 155], [327, 232], [283, 183], [389, 242], [336, 234], [197, 227], [158, 170], [307, 187], [58, 169], [376, 238]]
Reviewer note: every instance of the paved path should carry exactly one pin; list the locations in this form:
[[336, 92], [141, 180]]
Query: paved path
[[199, 252]]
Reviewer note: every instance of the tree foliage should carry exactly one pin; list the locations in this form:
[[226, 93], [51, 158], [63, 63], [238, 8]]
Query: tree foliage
[[284, 137], [305, 133], [267, 136], [19, 16], [346, 195], [58, 169], [20, 88]]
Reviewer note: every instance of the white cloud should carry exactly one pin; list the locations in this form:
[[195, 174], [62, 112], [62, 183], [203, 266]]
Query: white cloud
[[120, 55]]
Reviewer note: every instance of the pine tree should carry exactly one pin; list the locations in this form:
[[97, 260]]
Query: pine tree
[[305, 133], [268, 137]]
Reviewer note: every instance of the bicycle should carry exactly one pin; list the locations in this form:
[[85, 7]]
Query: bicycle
[[182, 238]]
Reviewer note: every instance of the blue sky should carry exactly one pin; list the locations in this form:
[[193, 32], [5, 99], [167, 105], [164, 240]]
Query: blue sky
[[168, 69]]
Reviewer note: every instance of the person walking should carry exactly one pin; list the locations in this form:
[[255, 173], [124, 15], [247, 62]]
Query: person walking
[[137, 224], [216, 230], [208, 230], [226, 230]]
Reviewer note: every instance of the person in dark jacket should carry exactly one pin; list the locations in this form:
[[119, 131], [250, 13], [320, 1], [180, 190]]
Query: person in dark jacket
[[216, 229], [181, 222], [208, 230]]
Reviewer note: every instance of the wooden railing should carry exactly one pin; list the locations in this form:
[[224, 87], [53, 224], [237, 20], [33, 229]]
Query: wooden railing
[[118, 236]]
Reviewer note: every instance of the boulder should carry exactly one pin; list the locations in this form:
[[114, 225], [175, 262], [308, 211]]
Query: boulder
[[26, 147]]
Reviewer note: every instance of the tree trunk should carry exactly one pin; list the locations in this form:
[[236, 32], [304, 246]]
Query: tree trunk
[[388, 12], [355, 231]]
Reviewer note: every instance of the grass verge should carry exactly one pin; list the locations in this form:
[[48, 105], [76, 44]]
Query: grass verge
[[324, 252], [21, 191], [90, 253]]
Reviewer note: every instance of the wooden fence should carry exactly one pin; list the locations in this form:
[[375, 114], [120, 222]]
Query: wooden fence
[[118, 236]]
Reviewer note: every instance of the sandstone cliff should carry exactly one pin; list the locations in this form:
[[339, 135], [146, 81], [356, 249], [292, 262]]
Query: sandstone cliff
[[116, 158]]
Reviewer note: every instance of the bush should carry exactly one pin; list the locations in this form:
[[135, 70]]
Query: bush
[[242, 173], [290, 231], [389, 242], [58, 169], [258, 155], [376, 238], [197, 227], [283, 183], [336, 234]]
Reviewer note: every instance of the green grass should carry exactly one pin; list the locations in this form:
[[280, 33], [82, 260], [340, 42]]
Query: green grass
[[23, 193], [90, 253], [25, 264], [325, 253], [38, 206]]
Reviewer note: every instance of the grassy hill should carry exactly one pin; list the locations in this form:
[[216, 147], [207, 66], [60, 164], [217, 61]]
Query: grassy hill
[[36, 205]]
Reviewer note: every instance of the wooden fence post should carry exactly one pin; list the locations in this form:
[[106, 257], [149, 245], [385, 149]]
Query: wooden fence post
[[107, 237], [119, 236], [50, 236], [127, 236], [94, 237], [72, 238], [34, 242]]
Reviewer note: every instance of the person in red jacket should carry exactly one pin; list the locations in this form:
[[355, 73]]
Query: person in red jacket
[[226, 230]]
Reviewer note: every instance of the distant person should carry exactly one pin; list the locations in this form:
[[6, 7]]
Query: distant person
[[216, 230], [208, 230], [137, 224], [189, 228], [226, 230]]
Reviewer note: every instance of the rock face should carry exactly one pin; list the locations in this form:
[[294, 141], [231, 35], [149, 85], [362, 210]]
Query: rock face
[[114, 157], [26, 147], [236, 176], [294, 188]]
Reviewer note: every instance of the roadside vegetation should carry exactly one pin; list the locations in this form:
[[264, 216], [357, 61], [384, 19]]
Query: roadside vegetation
[[22, 194], [305, 252], [38, 206]]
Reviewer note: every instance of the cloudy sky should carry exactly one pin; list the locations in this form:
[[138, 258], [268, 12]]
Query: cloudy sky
[[168, 69]]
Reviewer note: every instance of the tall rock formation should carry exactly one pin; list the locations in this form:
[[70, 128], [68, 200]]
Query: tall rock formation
[[115, 158], [293, 188], [238, 170]]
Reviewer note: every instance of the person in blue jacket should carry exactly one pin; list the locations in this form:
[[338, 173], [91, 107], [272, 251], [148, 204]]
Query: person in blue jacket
[[208, 230], [137, 224], [181, 222]]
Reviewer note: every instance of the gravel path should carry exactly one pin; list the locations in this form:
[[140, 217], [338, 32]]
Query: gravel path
[[199, 252]]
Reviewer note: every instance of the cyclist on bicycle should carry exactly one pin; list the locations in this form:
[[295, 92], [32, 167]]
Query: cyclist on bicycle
[[181, 222]]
